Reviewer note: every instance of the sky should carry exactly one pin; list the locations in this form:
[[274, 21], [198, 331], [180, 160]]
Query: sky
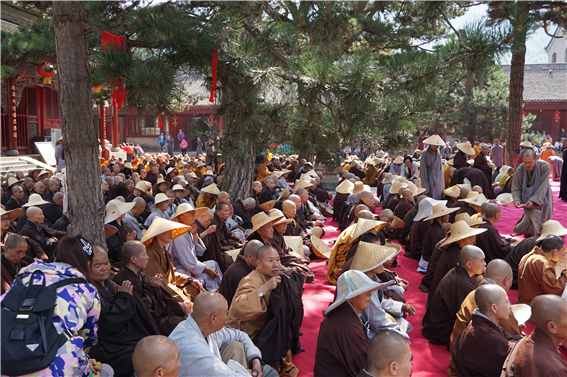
[[535, 53]]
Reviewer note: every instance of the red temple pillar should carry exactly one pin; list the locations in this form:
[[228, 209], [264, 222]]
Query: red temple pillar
[[115, 135]]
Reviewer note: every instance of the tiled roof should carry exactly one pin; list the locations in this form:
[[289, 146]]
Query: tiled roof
[[544, 83]]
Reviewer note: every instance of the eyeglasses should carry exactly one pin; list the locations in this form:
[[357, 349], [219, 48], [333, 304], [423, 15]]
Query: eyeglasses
[[5, 219]]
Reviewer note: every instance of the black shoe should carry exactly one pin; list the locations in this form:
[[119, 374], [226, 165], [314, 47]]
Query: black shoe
[[423, 288]]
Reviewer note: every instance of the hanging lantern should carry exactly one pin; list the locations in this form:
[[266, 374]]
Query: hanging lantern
[[175, 121], [47, 71], [524, 113], [557, 113], [98, 88]]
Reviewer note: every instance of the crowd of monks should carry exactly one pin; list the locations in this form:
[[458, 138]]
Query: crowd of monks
[[224, 279]]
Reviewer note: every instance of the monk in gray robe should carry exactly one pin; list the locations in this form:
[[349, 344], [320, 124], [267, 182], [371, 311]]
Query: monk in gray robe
[[532, 192], [431, 172]]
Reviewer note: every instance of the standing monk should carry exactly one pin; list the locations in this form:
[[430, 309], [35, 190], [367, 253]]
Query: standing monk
[[431, 169], [532, 192]]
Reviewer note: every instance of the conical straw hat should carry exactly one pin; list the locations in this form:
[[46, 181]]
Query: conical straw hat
[[387, 178], [299, 184], [396, 223], [552, 227], [280, 173], [320, 248], [425, 208], [398, 160], [266, 206], [160, 198], [274, 212], [453, 191], [260, 219], [344, 187], [316, 231], [211, 189], [13, 213], [369, 255], [284, 195], [140, 186], [470, 195], [365, 225], [466, 148], [393, 245], [186, 207], [526, 144], [351, 284], [461, 230], [434, 140], [441, 210], [396, 186], [476, 200], [468, 219], [504, 199], [295, 243], [160, 226], [35, 200], [115, 208]]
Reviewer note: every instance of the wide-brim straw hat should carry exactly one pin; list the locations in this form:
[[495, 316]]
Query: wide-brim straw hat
[[181, 188], [180, 164], [370, 255], [211, 189], [316, 231], [547, 145], [504, 199], [398, 160], [160, 226], [425, 208], [170, 169], [260, 219], [451, 162], [358, 187], [365, 225], [434, 140], [310, 173], [390, 244], [396, 186], [441, 210], [115, 208], [129, 166], [209, 173], [470, 195], [43, 172], [300, 183], [388, 178], [326, 209], [552, 227], [397, 223], [186, 207], [13, 213], [266, 206], [277, 213], [160, 198], [160, 181], [35, 200], [295, 243], [453, 191], [461, 230], [477, 200], [284, 194], [351, 284], [466, 148], [280, 173], [143, 187], [200, 164], [320, 247], [13, 181], [526, 144], [370, 161], [344, 187], [522, 313], [504, 169], [468, 219]]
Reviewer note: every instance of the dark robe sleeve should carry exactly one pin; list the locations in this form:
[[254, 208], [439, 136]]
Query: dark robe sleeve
[[491, 243]]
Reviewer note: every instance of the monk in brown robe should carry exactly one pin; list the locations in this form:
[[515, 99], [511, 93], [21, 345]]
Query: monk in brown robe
[[493, 245], [452, 290], [417, 233], [435, 233], [536, 273], [516, 255], [405, 204], [13, 259], [537, 354], [498, 272], [208, 234], [244, 264], [483, 338]]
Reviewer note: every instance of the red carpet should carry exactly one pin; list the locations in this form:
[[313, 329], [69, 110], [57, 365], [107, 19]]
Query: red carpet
[[429, 359]]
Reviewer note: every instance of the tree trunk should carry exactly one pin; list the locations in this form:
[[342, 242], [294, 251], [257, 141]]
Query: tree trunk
[[239, 174], [83, 190], [514, 133]]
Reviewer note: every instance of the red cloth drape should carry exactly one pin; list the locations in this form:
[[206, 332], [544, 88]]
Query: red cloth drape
[[160, 123], [214, 86], [118, 93]]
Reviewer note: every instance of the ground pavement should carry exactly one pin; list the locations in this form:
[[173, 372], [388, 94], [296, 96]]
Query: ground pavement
[[429, 359]]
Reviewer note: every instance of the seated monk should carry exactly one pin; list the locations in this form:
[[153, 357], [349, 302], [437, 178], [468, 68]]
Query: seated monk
[[208, 197], [342, 344], [182, 287], [537, 354], [365, 225], [252, 313], [294, 228], [493, 245], [266, 194], [536, 273], [483, 338], [207, 232], [339, 253], [450, 294], [46, 237], [452, 194], [419, 228], [244, 264], [165, 310], [155, 356], [472, 204], [13, 259], [292, 262], [389, 354], [405, 204], [124, 319], [7, 229], [498, 272], [370, 175], [403, 232], [435, 233]]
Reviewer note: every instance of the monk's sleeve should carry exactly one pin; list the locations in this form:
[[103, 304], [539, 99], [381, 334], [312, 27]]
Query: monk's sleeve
[[200, 202], [517, 185], [247, 303], [154, 267], [551, 284], [542, 185]]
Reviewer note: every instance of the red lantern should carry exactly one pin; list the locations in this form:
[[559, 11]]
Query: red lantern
[[524, 113], [47, 71], [557, 113], [175, 121], [98, 88]]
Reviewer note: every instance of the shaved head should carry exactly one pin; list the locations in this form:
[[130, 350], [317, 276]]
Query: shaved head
[[464, 192], [360, 207], [470, 253], [500, 271], [488, 294], [365, 214], [154, 352], [477, 188], [386, 214], [252, 248], [407, 195], [132, 248], [548, 308], [33, 211], [207, 304], [385, 348]]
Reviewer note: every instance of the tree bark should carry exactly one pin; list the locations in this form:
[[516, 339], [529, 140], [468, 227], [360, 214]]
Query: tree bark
[[85, 201], [514, 133], [239, 175]]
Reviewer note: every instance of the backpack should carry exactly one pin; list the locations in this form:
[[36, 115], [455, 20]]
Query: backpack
[[29, 339]]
